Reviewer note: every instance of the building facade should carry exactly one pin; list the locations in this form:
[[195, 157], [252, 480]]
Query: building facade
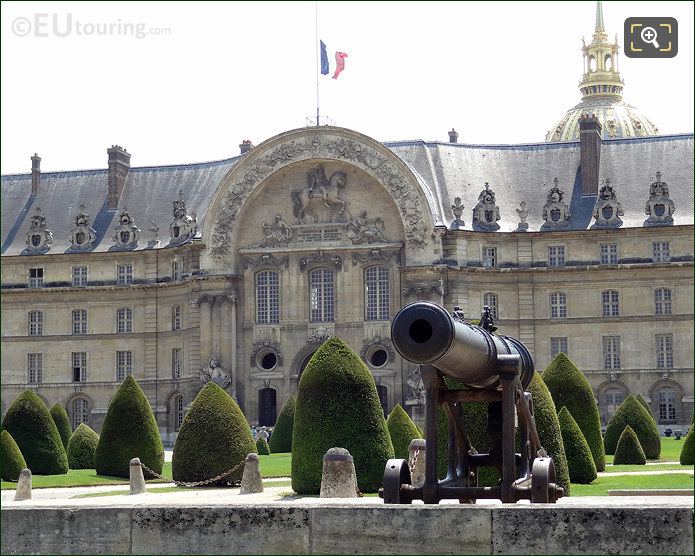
[[237, 270]]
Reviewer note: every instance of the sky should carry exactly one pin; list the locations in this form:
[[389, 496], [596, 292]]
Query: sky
[[177, 82]]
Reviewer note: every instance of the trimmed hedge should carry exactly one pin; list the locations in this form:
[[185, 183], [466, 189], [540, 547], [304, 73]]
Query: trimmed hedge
[[262, 446], [632, 413], [338, 406], [11, 459], [569, 387], [36, 435], [475, 418], [644, 403], [281, 439], [83, 445], [214, 438], [402, 430], [579, 459], [629, 450], [60, 417], [129, 431], [687, 456]]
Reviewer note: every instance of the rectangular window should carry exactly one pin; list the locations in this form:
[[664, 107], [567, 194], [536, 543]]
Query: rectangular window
[[176, 270], [609, 253], [558, 305], [35, 323], [176, 363], [79, 275], [556, 255], [267, 297], [489, 257], [661, 251], [124, 320], [176, 317], [124, 364], [558, 345], [322, 295], [79, 321], [124, 274], [377, 293], [610, 303], [662, 301], [79, 366], [664, 351], [35, 367], [666, 399], [611, 352], [179, 413], [36, 277]]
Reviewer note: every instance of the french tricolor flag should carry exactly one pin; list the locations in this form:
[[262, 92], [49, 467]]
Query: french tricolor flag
[[339, 62]]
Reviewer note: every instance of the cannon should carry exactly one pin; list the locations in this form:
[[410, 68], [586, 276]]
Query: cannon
[[494, 368]]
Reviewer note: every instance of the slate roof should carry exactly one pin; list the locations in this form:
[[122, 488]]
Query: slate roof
[[515, 173]]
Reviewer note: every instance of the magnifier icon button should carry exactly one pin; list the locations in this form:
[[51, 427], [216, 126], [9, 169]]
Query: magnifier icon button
[[648, 35]]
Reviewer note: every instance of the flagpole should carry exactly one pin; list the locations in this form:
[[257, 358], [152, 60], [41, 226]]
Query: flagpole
[[316, 46]]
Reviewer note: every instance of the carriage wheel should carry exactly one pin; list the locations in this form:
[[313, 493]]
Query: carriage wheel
[[397, 473], [543, 481]]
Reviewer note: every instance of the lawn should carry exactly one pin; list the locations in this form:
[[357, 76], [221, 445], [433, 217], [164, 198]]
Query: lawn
[[603, 484], [165, 489], [660, 467], [670, 450], [274, 465]]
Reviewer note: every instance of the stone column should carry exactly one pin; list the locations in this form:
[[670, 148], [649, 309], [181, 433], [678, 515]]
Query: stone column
[[228, 333], [205, 329]]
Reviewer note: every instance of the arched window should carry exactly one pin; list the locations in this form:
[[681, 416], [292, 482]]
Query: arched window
[[80, 412], [490, 299], [608, 63], [35, 323], [377, 288], [609, 303], [614, 397], [592, 63], [124, 320], [79, 321], [267, 297], [666, 400], [558, 305], [322, 295], [662, 301], [178, 412]]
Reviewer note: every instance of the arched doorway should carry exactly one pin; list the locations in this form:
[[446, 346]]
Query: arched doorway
[[304, 363], [383, 397], [267, 407]]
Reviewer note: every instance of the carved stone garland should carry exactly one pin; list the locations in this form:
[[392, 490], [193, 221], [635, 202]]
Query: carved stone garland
[[423, 290], [376, 255], [266, 344], [384, 343], [319, 335], [407, 200], [320, 257]]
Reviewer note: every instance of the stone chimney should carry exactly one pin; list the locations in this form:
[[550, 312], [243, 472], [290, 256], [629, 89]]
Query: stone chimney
[[119, 164], [590, 152], [245, 146], [453, 136], [35, 174]]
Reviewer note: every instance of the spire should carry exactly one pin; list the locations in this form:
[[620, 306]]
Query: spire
[[599, 19], [601, 77]]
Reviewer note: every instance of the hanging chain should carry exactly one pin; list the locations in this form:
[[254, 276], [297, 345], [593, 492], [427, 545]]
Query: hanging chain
[[194, 484]]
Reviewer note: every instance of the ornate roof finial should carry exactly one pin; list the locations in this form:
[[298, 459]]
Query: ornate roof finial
[[599, 18]]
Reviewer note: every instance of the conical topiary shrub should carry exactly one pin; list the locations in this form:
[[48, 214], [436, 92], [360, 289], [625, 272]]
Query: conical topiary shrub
[[214, 437], [632, 413], [11, 459], [570, 388], [281, 439], [36, 435], [402, 430], [129, 431], [60, 417], [83, 445], [629, 450], [644, 403], [262, 447], [581, 465], [338, 407], [687, 456]]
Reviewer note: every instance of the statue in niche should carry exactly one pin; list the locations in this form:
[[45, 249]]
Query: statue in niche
[[277, 233], [365, 230], [215, 373], [317, 192]]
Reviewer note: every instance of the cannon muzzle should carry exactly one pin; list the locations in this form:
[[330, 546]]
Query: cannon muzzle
[[425, 333]]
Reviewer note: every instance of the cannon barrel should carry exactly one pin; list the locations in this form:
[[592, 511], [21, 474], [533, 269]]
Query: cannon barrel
[[425, 333]]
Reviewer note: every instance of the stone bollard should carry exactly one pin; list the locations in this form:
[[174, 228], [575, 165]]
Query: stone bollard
[[137, 479], [23, 486], [338, 479], [251, 481], [417, 468]]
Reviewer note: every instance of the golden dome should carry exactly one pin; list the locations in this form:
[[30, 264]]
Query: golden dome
[[601, 87]]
